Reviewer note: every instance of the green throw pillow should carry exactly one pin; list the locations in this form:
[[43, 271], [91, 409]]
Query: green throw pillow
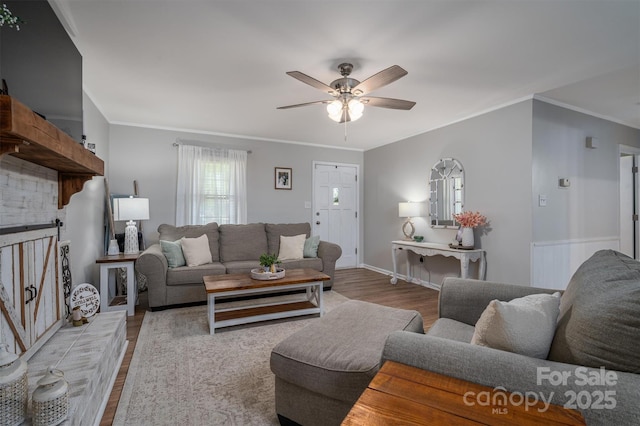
[[311, 246], [172, 250]]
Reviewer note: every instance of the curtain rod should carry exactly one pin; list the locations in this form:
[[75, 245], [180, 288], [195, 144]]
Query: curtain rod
[[215, 146]]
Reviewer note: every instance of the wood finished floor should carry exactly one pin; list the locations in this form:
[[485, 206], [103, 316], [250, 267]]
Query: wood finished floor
[[359, 284]]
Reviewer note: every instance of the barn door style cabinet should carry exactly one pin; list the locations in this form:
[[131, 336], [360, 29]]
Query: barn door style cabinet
[[31, 295]]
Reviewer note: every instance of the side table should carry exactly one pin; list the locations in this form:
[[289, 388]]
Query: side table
[[120, 260], [401, 394]]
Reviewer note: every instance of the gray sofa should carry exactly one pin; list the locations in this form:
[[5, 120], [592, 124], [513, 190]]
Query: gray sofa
[[598, 326], [234, 249]]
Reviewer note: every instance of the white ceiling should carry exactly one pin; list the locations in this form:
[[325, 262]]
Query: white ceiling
[[219, 66]]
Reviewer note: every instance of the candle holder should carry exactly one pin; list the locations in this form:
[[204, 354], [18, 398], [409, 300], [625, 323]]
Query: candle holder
[[50, 400], [13, 388]]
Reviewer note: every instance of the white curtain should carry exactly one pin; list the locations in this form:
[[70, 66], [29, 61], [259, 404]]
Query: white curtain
[[212, 186]]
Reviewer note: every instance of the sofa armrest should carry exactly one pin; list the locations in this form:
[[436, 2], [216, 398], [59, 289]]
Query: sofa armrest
[[464, 300], [153, 265], [611, 401], [329, 253]]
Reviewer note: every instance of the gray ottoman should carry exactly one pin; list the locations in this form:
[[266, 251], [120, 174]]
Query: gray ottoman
[[322, 369]]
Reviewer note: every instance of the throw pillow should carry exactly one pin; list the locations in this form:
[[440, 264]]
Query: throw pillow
[[292, 248], [196, 250], [311, 246], [524, 326], [172, 250]]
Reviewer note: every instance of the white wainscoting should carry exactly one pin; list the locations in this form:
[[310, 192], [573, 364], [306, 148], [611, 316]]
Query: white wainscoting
[[554, 262]]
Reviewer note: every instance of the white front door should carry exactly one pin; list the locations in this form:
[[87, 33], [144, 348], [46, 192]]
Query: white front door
[[335, 208]]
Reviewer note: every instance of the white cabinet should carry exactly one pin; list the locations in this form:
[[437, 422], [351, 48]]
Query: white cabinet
[[31, 299]]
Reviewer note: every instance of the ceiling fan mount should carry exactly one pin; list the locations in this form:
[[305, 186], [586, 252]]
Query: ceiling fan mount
[[344, 84], [350, 94]]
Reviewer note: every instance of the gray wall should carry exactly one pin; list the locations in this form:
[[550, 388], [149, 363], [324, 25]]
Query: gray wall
[[510, 156], [495, 151], [84, 221], [148, 156], [589, 207]]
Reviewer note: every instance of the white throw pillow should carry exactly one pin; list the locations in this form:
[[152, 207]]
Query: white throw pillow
[[292, 248], [524, 326], [196, 250]]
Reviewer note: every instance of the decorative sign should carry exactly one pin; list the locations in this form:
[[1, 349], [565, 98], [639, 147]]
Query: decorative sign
[[87, 297]]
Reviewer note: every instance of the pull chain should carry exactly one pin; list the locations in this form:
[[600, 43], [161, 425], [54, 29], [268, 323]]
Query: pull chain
[[345, 129]]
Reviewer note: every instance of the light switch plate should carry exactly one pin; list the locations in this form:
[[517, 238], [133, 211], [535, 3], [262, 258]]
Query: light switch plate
[[307, 204], [542, 200]]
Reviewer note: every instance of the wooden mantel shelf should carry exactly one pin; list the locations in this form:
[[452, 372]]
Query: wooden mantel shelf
[[26, 135]]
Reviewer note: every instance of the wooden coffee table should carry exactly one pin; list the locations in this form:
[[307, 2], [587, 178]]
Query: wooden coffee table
[[218, 286], [400, 394]]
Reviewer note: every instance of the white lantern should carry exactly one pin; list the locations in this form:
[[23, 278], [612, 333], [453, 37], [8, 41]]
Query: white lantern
[[13, 388], [50, 400]]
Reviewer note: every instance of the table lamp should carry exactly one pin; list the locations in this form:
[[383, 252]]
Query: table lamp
[[131, 209], [409, 210]]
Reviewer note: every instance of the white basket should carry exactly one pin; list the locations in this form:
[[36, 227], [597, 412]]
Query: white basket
[[259, 274]]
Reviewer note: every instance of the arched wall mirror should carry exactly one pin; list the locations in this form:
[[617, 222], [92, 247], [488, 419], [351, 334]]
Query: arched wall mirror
[[446, 192]]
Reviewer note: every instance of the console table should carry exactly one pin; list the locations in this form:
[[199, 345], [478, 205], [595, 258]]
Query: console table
[[436, 249]]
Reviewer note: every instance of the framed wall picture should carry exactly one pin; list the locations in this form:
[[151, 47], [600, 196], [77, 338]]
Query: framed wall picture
[[283, 178]]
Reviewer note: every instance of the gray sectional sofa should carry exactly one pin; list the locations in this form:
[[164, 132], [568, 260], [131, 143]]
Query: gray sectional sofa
[[322, 369], [234, 249], [598, 327]]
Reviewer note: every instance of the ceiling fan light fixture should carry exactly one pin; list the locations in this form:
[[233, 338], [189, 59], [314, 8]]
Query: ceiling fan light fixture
[[334, 109], [348, 105], [356, 109]]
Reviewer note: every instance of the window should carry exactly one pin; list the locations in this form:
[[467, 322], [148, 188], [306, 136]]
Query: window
[[211, 186]]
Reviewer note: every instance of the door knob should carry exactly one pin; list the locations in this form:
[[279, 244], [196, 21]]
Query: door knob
[[318, 222]]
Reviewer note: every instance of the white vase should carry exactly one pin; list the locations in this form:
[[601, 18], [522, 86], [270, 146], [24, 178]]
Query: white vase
[[113, 248], [467, 237]]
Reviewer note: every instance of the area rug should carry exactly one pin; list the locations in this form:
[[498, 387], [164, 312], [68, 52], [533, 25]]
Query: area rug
[[181, 375]]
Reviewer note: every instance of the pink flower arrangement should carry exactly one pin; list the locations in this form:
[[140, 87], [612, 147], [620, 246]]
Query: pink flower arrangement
[[470, 219]]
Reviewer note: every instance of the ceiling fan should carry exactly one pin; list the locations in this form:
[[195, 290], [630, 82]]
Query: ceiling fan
[[350, 95]]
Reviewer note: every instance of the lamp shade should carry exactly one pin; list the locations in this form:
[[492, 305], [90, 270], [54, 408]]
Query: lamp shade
[[334, 109], [356, 108], [340, 109], [130, 208], [407, 209]]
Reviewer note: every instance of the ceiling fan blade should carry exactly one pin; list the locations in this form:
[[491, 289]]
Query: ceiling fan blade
[[305, 104], [380, 79], [311, 81], [388, 103]]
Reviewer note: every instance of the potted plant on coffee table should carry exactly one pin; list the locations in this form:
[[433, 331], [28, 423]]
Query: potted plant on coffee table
[[268, 270], [269, 262]]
